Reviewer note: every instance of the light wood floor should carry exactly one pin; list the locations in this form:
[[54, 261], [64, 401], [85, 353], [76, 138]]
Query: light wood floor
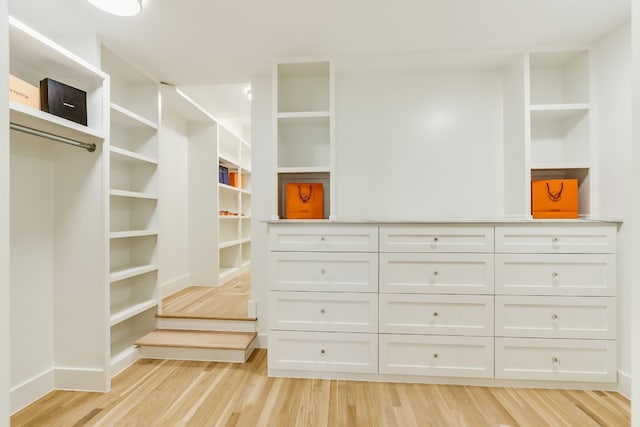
[[180, 393], [227, 301]]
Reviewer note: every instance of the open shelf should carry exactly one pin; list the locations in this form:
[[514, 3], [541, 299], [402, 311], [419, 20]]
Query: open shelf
[[125, 311], [127, 155], [303, 86], [39, 120], [133, 194], [133, 233], [121, 116], [128, 271]]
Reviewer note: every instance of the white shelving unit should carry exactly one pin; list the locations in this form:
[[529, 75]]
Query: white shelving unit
[[303, 128], [133, 199], [234, 205], [57, 248], [559, 113]]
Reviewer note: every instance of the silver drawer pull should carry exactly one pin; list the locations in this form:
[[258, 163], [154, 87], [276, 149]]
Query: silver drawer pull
[[322, 238], [322, 311], [435, 240], [555, 239], [555, 275], [322, 271], [435, 355], [554, 316], [435, 314], [555, 360], [435, 273], [322, 351]]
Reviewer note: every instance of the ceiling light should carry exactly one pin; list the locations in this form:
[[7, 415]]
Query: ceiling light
[[119, 7]]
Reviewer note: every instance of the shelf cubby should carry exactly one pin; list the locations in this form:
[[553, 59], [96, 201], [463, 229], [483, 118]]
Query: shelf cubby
[[559, 77], [132, 296], [320, 177], [303, 87]]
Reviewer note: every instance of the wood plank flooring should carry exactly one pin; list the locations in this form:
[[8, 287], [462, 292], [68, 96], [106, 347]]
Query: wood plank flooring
[[227, 301], [182, 393]]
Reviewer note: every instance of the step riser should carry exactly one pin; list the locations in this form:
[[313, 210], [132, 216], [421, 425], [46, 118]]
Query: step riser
[[206, 324], [197, 354]]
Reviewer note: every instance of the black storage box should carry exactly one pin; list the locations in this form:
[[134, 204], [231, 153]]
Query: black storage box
[[64, 101]]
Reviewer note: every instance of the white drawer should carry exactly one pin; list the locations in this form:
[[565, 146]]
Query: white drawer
[[323, 237], [324, 311], [323, 351], [436, 314], [561, 360], [436, 273], [556, 317], [440, 356], [321, 271], [556, 274], [570, 238], [436, 238]]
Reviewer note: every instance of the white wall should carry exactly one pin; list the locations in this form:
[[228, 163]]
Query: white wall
[[262, 195], [419, 144], [4, 223], [635, 196], [611, 76], [173, 226], [32, 254]]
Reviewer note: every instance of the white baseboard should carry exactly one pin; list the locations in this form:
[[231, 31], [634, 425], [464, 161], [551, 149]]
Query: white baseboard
[[31, 390], [175, 285], [82, 379], [624, 384], [263, 341]]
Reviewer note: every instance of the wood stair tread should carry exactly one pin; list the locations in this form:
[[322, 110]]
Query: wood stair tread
[[197, 339], [203, 317]]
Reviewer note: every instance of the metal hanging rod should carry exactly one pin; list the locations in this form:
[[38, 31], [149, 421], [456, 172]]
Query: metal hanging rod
[[89, 147]]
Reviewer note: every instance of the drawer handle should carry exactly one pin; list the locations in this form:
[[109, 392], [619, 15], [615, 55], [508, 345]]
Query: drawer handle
[[555, 360], [555, 275], [322, 311], [435, 240], [435, 355], [555, 239], [322, 351], [435, 273], [322, 271], [322, 238], [554, 316], [435, 314]]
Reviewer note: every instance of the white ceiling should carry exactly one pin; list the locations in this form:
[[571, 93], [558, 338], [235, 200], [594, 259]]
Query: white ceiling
[[196, 42]]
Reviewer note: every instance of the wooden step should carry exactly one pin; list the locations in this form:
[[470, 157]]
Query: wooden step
[[206, 323], [214, 346]]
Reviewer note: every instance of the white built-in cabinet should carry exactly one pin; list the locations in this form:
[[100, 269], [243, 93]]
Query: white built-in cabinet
[[57, 228], [533, 302], [132, 198], [303, 128]]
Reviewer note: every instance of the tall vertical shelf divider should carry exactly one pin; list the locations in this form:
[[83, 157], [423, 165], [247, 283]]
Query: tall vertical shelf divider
[[234, 204], [303, 129], [133, 206], [57, 243], [559, 112]]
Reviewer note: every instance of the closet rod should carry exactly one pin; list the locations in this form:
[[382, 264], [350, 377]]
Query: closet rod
[[89, 147]]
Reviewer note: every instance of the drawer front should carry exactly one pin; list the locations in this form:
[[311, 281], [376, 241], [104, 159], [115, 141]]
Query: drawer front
[[324, 311], [319, 271], [561, 360], [434, 238], [439, 356], [570, 238], [557, 274], [556, 317], [436, 273], [436, 314], [323, 237], [323, 351]]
